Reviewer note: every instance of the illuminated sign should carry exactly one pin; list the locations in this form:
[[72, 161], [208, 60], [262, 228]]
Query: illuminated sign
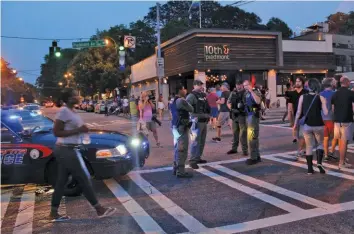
[[216, 52]]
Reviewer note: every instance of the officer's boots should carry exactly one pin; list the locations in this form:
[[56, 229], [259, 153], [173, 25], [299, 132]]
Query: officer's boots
[[309, 164], [181, 173]]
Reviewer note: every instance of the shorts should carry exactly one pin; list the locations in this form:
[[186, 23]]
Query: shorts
[[151, 126], [223, 118], [328, 128], [299, 132], [343, 131], [214, 112]]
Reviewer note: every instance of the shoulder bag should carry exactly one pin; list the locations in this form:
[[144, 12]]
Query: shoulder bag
[[303, 119]]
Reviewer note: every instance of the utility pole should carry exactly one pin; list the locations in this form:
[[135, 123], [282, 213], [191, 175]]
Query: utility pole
[[158, 46]]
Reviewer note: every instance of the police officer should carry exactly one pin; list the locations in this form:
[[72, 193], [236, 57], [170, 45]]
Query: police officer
[[180, 129], [252, 99], [200, 117], [238, 115]]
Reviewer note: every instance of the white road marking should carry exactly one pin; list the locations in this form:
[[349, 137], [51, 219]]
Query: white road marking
[[274, 188], [270, 120], [274, 126], [192, 224], [337, 174], [143, 219], [5, 200], [24, 218], [252, 192]]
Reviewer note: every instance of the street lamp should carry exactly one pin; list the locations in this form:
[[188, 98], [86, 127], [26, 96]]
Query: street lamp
[[20, 79], [60, 83], [14, 71]]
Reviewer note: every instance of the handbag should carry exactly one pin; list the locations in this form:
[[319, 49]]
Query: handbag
[[303, 118]]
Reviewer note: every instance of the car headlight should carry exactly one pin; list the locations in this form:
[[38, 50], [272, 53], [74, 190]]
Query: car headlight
[[120, 150], [135, 142]]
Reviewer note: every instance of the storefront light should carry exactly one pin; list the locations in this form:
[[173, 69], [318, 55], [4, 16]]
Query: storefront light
[[241, 70], [179, 74]]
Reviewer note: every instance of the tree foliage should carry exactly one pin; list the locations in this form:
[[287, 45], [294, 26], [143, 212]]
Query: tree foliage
[[341, 23], [276, 24]]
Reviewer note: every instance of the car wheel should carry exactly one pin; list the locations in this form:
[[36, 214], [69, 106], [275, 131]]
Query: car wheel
[[72, 188]]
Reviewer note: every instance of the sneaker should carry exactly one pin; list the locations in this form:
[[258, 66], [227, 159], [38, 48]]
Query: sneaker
[[252, 161], [194, 165], [294, 141], [344, 165], [158, 144], [232, 152], [326, 158], [216, 139], [105, 212], [202, 161], [184, 175], [59, 218]]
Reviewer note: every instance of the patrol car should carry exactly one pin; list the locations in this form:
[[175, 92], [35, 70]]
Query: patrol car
[[27, 153]]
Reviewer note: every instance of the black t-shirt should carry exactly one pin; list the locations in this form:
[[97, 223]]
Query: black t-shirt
[[294, 98], [287, 96], [223, 107], [342, 101]]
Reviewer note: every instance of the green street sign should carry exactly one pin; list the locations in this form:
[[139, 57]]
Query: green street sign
[[89, 44]]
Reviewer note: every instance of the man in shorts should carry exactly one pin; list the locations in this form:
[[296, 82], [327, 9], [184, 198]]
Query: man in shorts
[[342, 104], [224, 112], [212, 98]]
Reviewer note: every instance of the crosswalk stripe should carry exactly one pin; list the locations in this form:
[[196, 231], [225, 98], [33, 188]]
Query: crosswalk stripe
[[5, 200], [252, 192], [143, 219], [275, 126], [24, 218], [337, 174], [192, 224], [272, 187]]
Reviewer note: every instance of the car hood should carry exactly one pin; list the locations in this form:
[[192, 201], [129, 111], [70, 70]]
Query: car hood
[[100, 139]]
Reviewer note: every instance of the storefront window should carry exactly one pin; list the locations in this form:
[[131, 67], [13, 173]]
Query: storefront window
[[282, 79]]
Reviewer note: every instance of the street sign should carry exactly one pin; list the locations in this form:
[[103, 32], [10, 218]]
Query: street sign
[[129, 42], [160, 64], [89, 44]]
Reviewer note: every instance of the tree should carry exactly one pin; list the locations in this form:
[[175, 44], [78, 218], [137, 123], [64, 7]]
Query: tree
[[174, 28], [276, 24], [341, 23]]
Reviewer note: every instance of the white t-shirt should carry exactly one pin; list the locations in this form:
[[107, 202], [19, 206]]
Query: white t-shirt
[[125, 102], [71, 121]]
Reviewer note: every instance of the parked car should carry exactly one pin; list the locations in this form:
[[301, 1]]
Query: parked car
[[33, 108], [27, 152], [100, 107]]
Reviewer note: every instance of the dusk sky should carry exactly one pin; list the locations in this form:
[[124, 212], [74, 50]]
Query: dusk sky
[[81, 19]]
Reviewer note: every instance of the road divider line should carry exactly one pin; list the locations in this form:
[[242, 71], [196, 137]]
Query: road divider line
[[5, 200], [24, 220], [143, 219], [252, 192], [188, 221], [328, 172], [274, 188], [282, 219]]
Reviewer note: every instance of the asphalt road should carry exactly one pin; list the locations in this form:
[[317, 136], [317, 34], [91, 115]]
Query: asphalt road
[[224, 196]]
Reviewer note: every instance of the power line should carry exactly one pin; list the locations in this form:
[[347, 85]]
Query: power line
[[46, 39]]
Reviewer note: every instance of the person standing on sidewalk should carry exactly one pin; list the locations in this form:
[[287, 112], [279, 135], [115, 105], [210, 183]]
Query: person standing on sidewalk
[[68, 128], [200, 118], [224, 112], [238, 115], [180, 130], [328, 93], [310, 110], [342, 103], [212, 98], [253, 107]]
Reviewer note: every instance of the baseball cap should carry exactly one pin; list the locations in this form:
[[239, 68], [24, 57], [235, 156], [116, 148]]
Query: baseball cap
[[197, 82]]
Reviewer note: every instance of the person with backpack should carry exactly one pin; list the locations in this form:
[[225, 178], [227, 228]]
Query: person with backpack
[[180, 109]]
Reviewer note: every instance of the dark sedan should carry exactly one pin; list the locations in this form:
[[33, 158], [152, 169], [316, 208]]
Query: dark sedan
[[27, 153]]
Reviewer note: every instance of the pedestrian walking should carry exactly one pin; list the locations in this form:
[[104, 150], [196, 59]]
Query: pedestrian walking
[[180, 129], [287, 99], [309, 115], [224, 111], [146, 107], [200, 118], [69, 128], [212, 98], [238, 115], [252, 102], [328, 93], [342, 102], [161, 107], [125, 106]]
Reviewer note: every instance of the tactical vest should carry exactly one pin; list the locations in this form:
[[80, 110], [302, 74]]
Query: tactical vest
[[178, 116], [202, 104]]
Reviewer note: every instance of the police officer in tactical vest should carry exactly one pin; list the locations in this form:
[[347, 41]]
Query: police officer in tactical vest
[[200, 118], [253, 108], [238, 115], [180, 129]]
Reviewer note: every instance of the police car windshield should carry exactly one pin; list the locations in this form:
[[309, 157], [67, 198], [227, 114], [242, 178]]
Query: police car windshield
[[27, 119]]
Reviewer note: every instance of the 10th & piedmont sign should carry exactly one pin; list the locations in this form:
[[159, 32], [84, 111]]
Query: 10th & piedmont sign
[[216, 52]]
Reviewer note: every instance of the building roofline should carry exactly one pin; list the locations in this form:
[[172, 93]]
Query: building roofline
[[218, 31]]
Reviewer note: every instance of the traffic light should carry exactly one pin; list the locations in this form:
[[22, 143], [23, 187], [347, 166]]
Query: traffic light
[[54, 50], [121, 51]]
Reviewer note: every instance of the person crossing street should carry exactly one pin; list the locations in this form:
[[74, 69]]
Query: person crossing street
[[180, 130], [200, 118], [238, 116], [224, 112]]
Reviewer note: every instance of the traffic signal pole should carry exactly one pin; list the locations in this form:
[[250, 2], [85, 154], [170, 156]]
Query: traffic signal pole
[[158, 45]]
